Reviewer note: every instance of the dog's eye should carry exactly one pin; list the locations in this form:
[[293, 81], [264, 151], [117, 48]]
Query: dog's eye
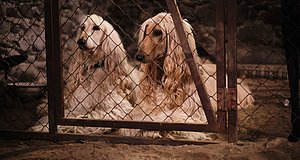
[[157, 33], [82, 28], [96, 28]]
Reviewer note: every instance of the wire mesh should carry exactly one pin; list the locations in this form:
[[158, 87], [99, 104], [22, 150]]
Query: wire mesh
[[22, 64], [91, 95], [260, 61]]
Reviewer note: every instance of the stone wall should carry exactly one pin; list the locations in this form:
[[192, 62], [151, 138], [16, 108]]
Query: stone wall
[[22, 28], [259, 32], [22, 32]]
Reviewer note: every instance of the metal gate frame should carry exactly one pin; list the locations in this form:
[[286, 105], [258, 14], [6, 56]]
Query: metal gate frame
[[226, 121]]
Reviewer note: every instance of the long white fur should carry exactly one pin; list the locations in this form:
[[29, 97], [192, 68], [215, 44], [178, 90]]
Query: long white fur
[[110, 92], [103, 92], [168, 93]]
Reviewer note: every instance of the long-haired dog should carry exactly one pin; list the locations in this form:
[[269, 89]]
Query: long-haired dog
[[167, 91], [101, 79]]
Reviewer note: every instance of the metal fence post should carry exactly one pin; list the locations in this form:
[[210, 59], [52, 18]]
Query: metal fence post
[[54, 65], [231, 70], [221, 66]]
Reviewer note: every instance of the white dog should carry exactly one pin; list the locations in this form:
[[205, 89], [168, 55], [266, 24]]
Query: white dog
[[101, 79]]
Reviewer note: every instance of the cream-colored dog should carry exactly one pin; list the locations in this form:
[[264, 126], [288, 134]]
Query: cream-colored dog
[[101, 79], [168, 92]]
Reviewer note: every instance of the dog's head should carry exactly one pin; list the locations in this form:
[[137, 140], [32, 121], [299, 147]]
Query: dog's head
[[159, 44], [152, 39], [91, 33]]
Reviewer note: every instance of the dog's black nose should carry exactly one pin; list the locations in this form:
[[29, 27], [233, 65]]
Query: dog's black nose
[[81, 42], [140, 57]]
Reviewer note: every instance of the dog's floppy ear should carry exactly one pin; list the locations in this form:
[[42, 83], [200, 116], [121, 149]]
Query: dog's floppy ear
[[175, 68], [174, 63], [112, 47], [141, 32]]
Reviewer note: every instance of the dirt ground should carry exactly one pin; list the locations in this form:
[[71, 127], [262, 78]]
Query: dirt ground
[[277, 148], [262, 133]]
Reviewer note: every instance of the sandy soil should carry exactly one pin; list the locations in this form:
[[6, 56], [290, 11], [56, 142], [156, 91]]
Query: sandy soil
[[262, 133], [277, 148]]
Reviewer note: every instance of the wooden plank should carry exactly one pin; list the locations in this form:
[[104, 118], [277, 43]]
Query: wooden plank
[[191, 63]]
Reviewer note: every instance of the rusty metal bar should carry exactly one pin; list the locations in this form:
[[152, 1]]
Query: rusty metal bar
[[49, 60], [221, 66], [59, 109], [158, 126], [191, 63], [25, 135], [58, 69], [54, 65], [231, 70]]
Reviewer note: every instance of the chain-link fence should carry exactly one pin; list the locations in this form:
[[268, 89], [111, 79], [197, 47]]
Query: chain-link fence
[[103, 84], [22, 63], [261, 58], [117, 82]]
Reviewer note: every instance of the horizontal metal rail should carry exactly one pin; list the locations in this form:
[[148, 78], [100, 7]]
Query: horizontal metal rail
[[158, 126], [25, 135]]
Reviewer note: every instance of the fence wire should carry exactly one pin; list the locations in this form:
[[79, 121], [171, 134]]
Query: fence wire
[[22, 63], [261, 65], [82, 99], [261, 60]]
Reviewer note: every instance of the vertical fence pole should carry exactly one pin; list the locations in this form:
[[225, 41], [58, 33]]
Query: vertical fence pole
[[54, 65], [221, 66], [231, 70]]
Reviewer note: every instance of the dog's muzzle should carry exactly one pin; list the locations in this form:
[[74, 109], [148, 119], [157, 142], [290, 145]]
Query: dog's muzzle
[[82, 43], [140, 57]]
